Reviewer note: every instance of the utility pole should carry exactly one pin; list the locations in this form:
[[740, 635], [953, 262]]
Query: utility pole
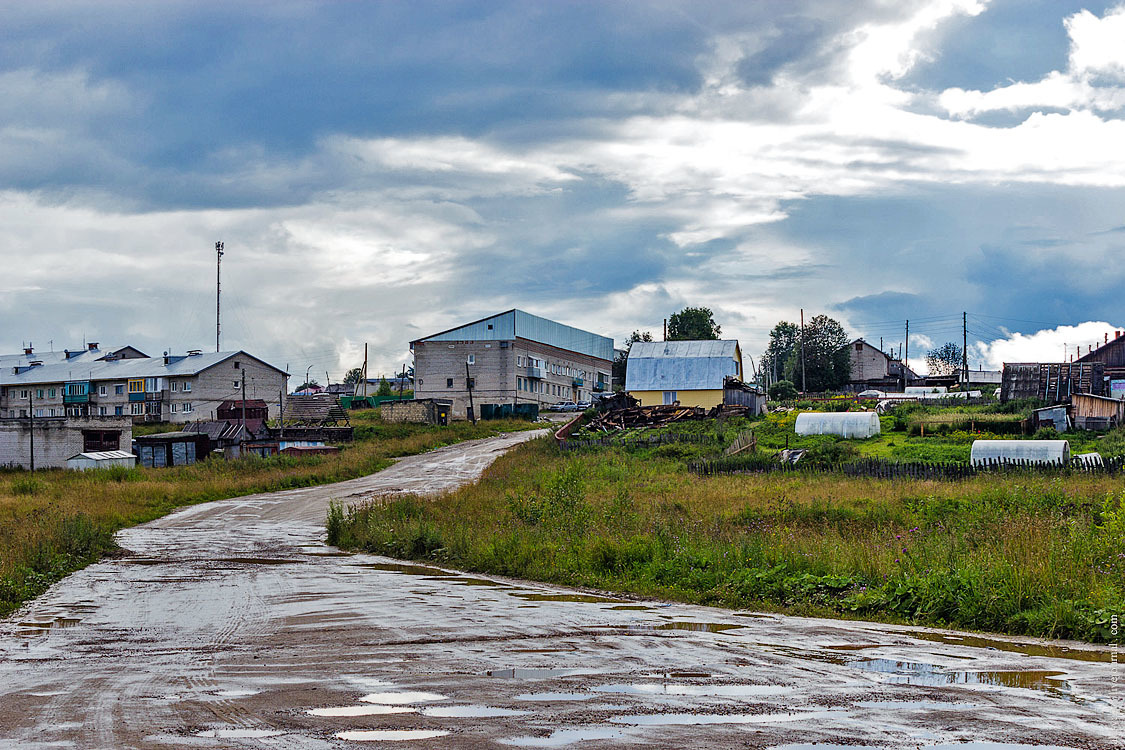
[[469, 385], [244, 404], [965, 347], [31, 426], [218, 290], [803, 384], [906, 360], [365, 369], [281, 417]]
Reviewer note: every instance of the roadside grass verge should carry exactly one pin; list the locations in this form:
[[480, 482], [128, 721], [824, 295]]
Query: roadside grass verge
[[1032, 555], [55, 522]]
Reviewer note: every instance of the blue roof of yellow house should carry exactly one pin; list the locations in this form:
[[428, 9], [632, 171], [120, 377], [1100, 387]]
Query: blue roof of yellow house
[[682, 365]]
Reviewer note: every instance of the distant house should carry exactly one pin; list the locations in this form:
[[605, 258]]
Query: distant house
[[691, 373], [512, 357], [875, 369]]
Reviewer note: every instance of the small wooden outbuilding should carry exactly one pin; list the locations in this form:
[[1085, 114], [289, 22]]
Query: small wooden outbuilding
[[1092, 412]]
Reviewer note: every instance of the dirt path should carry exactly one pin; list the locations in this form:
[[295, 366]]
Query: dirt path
[[232, 625]]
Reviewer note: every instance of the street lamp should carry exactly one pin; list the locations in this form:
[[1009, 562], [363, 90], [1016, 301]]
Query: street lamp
[[307, 377]]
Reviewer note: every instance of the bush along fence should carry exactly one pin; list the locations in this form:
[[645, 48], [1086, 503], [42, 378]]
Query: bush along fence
[[875, 468], [646, 441]]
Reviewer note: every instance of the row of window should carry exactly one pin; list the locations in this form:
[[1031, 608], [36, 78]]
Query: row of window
[[136, 408], [554, 369], [138, 385], [537, 386]]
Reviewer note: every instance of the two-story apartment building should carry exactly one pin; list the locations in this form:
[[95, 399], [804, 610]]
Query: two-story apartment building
[[511, 357], [172, 388]]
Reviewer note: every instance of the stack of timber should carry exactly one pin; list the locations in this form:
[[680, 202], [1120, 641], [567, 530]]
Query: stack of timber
[[321, 410], [645, 416]]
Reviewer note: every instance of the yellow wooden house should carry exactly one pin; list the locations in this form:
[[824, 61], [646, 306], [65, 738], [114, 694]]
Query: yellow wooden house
[[688, 372]]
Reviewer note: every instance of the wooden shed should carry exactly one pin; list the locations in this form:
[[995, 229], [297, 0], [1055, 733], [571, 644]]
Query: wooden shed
[[1092, 412]]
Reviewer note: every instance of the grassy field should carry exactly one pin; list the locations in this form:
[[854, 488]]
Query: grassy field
[[54, 522], [1037, 555]]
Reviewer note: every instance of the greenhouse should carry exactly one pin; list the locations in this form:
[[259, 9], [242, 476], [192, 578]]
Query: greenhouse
[[848, 424], [1022, 451]]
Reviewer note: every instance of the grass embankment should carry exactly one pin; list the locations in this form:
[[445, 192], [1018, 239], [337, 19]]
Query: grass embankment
[[1032, 555], [55, 522]]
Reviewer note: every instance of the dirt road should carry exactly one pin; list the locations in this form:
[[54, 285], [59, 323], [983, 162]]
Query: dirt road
[[231, 625]]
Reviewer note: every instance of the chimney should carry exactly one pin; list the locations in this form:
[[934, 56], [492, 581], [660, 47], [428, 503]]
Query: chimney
[[92, 346], [27, 350]]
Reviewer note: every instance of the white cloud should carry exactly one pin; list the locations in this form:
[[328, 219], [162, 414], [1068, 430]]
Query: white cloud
[[1047, 345]]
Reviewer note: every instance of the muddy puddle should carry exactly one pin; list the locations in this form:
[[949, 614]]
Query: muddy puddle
[[535, 673], [258, 561], [699, 627], [553, 697], [1028, 649], [709, 691], [914, 673], [403, 698], [405, 569], [240, 734], [563, 737], [470, 712], [57, 622], [391, 735], [573, 598], [631, 607], [369, 710], [687, 719]]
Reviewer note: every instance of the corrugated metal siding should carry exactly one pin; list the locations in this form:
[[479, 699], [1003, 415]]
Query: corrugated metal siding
[[681, 365], [517, 323]]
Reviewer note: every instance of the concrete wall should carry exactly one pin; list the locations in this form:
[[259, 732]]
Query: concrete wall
[[501, 373], [56, 440], [418, 412], [706, 398]]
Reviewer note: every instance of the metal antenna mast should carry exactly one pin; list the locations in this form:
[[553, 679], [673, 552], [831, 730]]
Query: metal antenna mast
[[218, 289]]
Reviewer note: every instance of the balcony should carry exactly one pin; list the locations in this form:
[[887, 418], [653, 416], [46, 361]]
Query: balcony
[[579, 382], [599, 386], [137, 396], [534, 372], [76, 392]]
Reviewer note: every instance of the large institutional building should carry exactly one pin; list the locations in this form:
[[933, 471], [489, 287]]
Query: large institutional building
[[510, 358]]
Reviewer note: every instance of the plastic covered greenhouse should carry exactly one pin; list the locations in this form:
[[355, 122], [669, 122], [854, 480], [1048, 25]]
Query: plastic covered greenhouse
[[1032, 451], [849, 424]]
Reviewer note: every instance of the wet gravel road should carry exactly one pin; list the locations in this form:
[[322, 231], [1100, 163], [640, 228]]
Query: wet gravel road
[[232, 625]]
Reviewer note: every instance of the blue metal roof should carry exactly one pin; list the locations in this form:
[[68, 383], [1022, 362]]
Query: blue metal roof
[[513, 324], [681, 365]]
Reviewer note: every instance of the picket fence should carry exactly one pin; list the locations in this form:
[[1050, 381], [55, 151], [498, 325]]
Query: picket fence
[[882, 469]]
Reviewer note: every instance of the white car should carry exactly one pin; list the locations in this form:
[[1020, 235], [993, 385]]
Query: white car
[[564, 406], [584, 405]]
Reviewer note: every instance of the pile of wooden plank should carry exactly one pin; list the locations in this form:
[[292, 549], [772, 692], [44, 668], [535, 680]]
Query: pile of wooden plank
[[645, 416]]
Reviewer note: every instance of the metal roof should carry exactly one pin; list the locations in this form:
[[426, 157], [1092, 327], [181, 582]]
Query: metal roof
[[147, 367], [513, 324], [75, 356], [103, 455], [681, 365]]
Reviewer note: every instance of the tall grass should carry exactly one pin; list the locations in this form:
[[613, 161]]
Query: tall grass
[[1028, 555], [54, 522]]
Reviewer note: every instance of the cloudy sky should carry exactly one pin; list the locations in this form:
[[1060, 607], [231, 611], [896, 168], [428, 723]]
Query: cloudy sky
[[380, 171]]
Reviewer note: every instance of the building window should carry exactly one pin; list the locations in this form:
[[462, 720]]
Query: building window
[[472, 383], [236, 385], [23, 394], [118, 390], [152, 385], [187, 386], [50, 393], [103, 390], [186, 408], [38, 393], [175, 407], [51, 412], [472, 359], [118, 411], [137, 386], [137, 407], [102, 411], [670, 397], [449, 382], [175, 386], [236, 364], [40, 412]]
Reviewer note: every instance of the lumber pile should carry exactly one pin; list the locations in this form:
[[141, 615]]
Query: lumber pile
[[645, 416]]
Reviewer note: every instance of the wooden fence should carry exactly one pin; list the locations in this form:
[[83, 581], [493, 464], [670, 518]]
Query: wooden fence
[[662, 438], [875, 468]]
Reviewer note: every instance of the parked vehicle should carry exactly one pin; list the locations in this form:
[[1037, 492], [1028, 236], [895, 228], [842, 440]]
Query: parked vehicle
[[564, 406], [584, 405]]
